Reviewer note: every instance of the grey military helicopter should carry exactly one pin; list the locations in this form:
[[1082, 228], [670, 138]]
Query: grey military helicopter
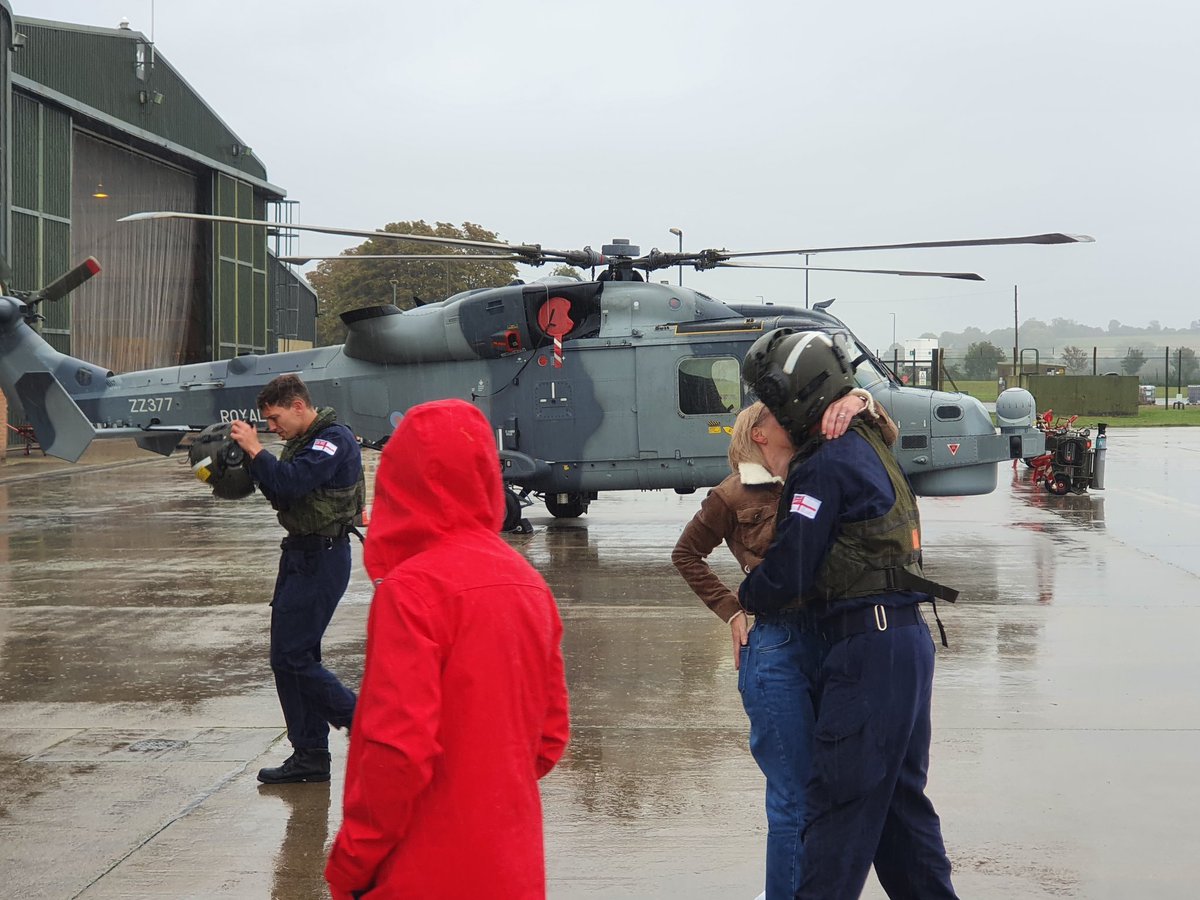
[[604, 385]]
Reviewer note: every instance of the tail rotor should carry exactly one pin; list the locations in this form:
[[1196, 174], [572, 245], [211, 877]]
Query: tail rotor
[[54, 291]]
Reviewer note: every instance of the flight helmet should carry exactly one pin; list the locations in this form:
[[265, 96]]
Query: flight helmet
[[219, 462], [797, 374]]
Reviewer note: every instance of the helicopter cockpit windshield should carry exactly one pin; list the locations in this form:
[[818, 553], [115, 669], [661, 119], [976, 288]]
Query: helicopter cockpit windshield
[[867, 370]]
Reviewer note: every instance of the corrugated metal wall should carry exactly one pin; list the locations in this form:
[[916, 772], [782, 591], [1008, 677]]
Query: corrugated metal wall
[[116, 73], [292, 324], [239, 271], [6, 415], [67, 60], [41, 207], [44, 170], [56, 154], [5, 131]]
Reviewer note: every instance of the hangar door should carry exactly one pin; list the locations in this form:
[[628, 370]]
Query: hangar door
[[142, 310]]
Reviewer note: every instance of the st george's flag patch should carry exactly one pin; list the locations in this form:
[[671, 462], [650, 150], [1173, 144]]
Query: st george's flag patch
[[806, 505], [325, 446]]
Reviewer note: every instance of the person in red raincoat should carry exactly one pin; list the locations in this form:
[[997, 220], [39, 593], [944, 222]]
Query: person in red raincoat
[[463, 705]]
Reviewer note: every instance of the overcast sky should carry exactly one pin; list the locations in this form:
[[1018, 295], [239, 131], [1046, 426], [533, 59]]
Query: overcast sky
[[751, 125]]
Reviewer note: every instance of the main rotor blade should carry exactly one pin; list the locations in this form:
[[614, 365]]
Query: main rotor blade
[[328, 229], [532, 254], [454, 257], [964, 276], [64, 284], [1051, 238]]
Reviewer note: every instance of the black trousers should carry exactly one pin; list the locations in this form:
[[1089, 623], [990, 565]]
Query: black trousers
[[870, 761], [312, 578]]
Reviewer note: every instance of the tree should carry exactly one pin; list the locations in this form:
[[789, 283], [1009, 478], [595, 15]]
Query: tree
[[1184, 358], [565, 271], [1075, 358], [982, 357], [343, 284], [1133, 361]]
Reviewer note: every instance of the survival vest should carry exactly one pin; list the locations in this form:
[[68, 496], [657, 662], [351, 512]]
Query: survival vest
[[327, 511], [880, 555]]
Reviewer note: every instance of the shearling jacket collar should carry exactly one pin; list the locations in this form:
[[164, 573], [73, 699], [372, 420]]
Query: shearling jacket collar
[[753, 473]]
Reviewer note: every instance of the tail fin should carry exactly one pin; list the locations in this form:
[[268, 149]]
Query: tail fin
[[61, 427], [27, 364]]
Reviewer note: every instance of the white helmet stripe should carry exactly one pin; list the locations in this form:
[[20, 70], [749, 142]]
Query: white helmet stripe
[[790, 363]]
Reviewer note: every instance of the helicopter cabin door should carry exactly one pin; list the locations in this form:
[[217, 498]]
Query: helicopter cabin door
[[688, 397]]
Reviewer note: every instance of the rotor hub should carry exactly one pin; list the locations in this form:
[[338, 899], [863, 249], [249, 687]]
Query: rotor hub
[[621, 248]]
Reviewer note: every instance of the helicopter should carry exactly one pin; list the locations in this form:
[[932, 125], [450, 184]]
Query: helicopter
[[610, 384]]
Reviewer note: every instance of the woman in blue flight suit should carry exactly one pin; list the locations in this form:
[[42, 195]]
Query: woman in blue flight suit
[[847, 552], [778, 659]]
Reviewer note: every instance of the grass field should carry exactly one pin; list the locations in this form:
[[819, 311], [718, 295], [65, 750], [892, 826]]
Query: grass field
[[1147, 417], [983, 391]]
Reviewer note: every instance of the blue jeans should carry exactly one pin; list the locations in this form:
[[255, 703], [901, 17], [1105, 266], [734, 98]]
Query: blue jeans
[[777, 679], [307, 591]]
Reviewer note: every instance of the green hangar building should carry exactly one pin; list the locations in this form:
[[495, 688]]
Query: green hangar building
[[95, 125]]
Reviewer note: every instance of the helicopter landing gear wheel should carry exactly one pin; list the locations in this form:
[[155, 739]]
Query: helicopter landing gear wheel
[[1057, 486], [567, 506], [512, 511]]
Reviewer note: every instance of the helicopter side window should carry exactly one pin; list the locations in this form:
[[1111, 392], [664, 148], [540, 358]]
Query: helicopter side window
[[709, 385]]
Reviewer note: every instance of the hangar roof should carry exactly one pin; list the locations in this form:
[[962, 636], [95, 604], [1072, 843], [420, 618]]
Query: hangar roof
[[117, 78]]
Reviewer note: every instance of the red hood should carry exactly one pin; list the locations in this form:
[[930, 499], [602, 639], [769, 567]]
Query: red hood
[[439, 476]]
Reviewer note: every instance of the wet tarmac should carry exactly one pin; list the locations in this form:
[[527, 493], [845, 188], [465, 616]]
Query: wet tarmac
[[136, 704]]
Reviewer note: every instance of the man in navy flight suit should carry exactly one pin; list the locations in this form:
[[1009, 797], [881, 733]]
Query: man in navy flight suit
[[316, 486], [847, 548]]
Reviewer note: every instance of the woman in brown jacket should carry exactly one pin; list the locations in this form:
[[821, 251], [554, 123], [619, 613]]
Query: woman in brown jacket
[[779, 657], [740, 511]]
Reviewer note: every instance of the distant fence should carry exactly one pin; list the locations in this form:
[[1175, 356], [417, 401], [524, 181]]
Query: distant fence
[[1170, 369]]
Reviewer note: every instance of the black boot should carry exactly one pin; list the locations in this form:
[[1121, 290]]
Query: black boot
[[302, 765]]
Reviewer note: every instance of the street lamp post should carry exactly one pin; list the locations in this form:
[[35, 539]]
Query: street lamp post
[[678, 232], [893, 328], [394, 284], [1016, 341]]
